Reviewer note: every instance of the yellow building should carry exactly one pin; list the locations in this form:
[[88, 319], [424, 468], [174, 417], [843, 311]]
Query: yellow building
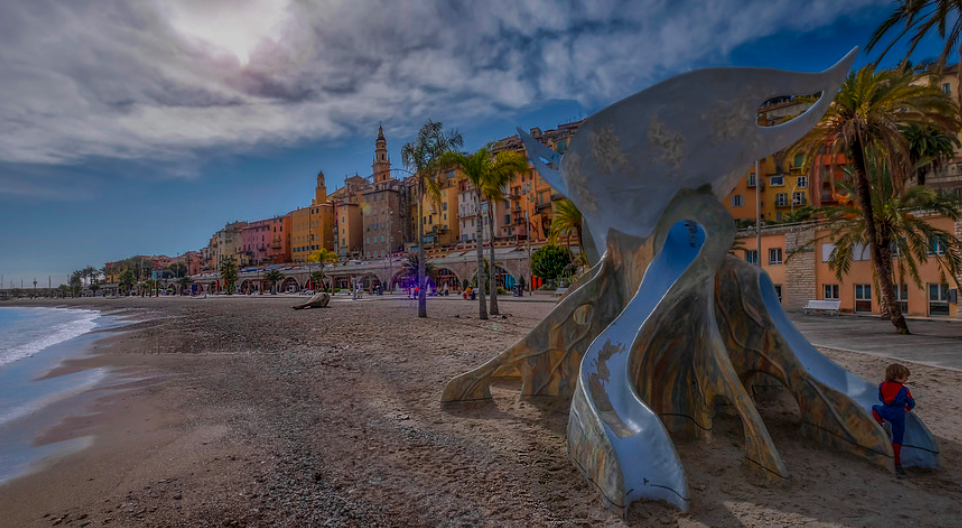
[[348, 230], [312, 228], [227, 245], [440, 218]]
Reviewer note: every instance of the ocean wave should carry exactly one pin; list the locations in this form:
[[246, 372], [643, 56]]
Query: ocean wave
[[45, 331]]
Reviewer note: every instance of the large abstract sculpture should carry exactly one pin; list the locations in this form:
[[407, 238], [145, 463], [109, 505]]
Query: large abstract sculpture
[[666, 325]]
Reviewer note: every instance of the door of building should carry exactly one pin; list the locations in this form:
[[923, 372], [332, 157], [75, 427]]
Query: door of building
[[863, 298]]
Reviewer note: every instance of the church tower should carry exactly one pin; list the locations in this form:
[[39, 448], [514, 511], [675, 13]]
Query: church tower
[[320, 192], [382, 163]]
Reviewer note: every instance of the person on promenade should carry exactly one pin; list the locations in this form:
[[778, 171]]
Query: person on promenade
[[896, 402]]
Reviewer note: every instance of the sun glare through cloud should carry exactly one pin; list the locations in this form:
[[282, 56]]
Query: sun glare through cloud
[[235, 27]]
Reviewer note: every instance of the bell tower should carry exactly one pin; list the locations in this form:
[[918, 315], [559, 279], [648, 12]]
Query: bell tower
[[382, 162], [320, 192]]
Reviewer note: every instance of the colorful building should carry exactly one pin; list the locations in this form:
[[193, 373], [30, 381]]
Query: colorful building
[[348, 230], [806, 275], [439, 218], [279, 249]]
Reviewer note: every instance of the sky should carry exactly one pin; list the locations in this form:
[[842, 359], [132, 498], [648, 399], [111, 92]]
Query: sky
[[143, 126]]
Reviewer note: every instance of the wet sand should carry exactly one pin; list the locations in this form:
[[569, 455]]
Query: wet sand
[[243, 412]]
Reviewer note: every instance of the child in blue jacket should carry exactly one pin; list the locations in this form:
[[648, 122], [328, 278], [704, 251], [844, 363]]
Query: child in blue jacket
[[896, 402]]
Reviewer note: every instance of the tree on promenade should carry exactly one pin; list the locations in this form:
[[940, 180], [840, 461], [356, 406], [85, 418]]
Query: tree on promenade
[[126, 280], [497, 176], [920, 18], [865, 116], [549, 262], [423, 157], [76, 282], [184, 282], [273, 277], [488, 175], [929, 149], [411, 267], [567, 221], [317, 279], [228, 272]]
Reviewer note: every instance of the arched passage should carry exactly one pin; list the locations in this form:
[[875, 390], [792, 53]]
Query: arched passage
[[446, 276], [290, 284]]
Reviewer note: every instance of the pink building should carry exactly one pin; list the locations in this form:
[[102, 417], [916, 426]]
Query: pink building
[[255, 242]]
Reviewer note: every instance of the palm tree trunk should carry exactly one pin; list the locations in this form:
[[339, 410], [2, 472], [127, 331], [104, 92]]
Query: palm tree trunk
[[422, 295], [883, 266], [479, 238], [493, 271]]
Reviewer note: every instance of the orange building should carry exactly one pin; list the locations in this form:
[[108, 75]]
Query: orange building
[[807, 275]]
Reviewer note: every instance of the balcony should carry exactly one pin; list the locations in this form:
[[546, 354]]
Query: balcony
[[543, 207], [557, 197]]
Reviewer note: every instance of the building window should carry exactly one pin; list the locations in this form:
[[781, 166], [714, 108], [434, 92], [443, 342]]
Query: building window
[[863, 298], [738, 200], [781, 199], [947, 88], [830, 291], [902, 297], [802, 182], [778, 292], [775, 257], [937, 245], [777, 180], [444, 206], [751, 180], [938, 300], [798, 198], [751, 256]]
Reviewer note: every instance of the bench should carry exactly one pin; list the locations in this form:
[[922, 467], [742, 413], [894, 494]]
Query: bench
[[560, 291], [815, 306]]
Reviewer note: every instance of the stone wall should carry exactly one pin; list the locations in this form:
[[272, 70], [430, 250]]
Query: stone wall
[[800, 286]]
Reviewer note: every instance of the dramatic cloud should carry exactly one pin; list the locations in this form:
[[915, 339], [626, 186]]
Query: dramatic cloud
[[162, 79]]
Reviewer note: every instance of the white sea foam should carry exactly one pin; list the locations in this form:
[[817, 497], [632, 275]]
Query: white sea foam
[[27, 331]]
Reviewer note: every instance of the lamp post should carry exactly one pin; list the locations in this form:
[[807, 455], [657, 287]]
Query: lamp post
[[390, 253], [758, 213]]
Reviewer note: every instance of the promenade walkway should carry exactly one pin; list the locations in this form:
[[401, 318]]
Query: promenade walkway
[[933, 342]]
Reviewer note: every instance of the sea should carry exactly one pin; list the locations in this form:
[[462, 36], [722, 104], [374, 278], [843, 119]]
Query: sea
[[33, 342]]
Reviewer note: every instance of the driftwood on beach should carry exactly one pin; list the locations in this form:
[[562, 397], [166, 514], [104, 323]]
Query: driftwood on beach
[[319, 300]]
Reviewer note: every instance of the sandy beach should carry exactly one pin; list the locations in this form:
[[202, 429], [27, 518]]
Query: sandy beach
[[243, 412]]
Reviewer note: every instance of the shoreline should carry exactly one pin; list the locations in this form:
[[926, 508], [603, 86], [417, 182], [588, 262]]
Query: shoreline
[[253, 414], [45, 388]]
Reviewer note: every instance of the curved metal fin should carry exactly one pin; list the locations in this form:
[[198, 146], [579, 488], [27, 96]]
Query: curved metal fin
[[537, 154]]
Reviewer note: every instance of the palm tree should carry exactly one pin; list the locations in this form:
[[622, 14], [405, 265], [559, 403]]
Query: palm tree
[[318, 277], [423, 157], [929, 149], [865, 116], [184, 282], [89, 273], [273, 277], [126, 280], [474, 168], [567, 221], [76, 281], [496, 177], [922, 16], [412, 267], [897, 226], [228, 272]]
